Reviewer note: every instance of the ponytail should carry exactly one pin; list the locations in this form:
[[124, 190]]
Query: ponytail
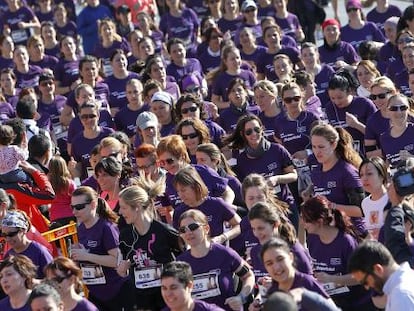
[[345, 148], [286, 231], [105, 212]]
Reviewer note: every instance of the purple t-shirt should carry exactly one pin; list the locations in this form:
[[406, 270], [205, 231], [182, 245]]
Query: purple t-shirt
[[362, 108], [192, 66], [6, 62], [85, 305], [6, 112], [265, 64], [322, 83], [295, 134], [289, 24], [222, 82], [380, 18], [47, 62], [5, 305], [216, 210], [376, 125], [255, 29], [208, 61], [255, 56], [229, 116], [387, 56], [91, 182], [341, 51], [244, 242], [216, 132], [12, 19], [269, 124], [117, 90], [125, 120], [213, 274], [355, 36], [391, 146], [104, 53], [38, 254], [67, 72], [336, 184], [99, 239], [81, 148], [229, 25], [101, 95], [216, 184], [401, 82], [70, 29], [29, 79]]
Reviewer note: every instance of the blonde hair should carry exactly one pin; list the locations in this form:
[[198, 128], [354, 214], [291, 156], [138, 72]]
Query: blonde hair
[[266, 86], [59, 175]]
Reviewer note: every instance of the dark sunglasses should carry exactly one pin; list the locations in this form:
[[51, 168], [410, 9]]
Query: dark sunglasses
[[191, 227], [398, 108], [405, 40], [189, 109], [351, 10], [167, 161], [143, 167], [88, 116], [249, 10], [250, 131], [289, 100], [189, 136], [380, 96], [60, 279], [194, 89], [10, 234], [80, 206]]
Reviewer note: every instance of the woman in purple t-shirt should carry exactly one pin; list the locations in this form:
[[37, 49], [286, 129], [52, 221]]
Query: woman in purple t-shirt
[[288, 22], [331, 241], [336, 178], [366, 73], [26, 75], [213, 265], [68, 277], [67, 70], [97, 251], [231, 19], [149, 29], [6, 52]]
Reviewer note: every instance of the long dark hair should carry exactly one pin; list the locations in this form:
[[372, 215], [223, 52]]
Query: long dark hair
[[236, 140]]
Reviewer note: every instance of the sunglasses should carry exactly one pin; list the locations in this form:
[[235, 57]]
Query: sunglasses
[[189, 228], [189, 109], [143, 167], [10, 234], [249, 10], [88, 116], [289, 100], [60, 279], [194, 89], [167, 161], [250, 131], [398, 108], [380, 96], [80, 206], [405, 40], [351, 10], [189, 136]]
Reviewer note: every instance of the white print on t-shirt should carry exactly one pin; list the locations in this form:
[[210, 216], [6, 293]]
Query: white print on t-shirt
[[206, 285], [92, 274]]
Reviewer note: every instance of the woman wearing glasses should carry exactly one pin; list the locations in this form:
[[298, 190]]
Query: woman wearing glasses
[[14, 228], [191, 106], [194, 133], [268, 159], [331, 241], [173, 156], [381, 90], [67, 276], [146, 245], [213, 265], [91, 136], [17, 275], [97, 251], [397, 142], [194, 195]]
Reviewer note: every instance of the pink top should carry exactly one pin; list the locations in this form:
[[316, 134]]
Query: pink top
[[60, 207], [10, 157]]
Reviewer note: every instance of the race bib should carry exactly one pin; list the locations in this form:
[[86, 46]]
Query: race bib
[[148, 277], [331, 289], [206, 285], [19, 35], [92, 274]]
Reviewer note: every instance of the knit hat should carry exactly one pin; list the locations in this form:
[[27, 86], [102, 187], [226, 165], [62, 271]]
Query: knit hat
[[330, 22]]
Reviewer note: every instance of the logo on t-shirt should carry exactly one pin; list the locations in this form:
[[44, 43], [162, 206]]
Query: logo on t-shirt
[[331, 184], [335, 261]]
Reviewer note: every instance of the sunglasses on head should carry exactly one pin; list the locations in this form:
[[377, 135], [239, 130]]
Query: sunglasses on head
[[398, 108], [380, 96], [80, 206], [189, 109], [189, 228], [289, 100], [189, 136], [193, 89], [167, 161], [10, 234], [406, 40], [250, 131], [88, 116]]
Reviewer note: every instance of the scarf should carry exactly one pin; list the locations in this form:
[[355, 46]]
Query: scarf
[[263, 146]]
